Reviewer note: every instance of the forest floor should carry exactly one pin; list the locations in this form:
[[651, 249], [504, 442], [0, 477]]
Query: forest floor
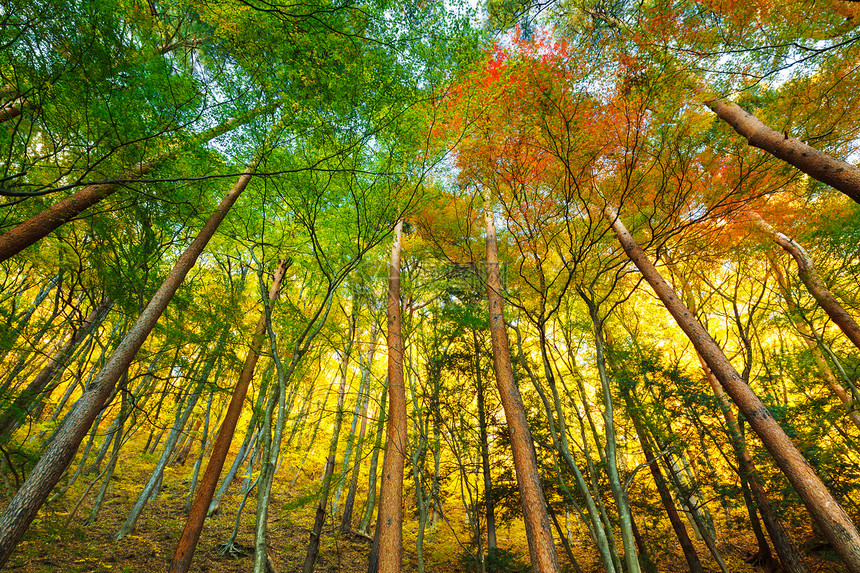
[[55, 542]]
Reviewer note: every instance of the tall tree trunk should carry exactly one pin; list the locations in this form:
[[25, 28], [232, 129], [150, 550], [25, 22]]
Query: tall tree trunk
[[273, 440], [150, 490], [817, 164], [625, 517], [18, 515], [390, 523], [194, 524], [834, 523], [597, 522], [489, 504], [813, 282], [118, 441], [535, 516], [364, 524], [352, 439], [7, 341], [251, 435], [43, 224]]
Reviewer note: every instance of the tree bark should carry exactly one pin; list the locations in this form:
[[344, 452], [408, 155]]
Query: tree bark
[[538, 529], [390, 523], [830, 517], [21, 511], [817, 164], [194, 524]]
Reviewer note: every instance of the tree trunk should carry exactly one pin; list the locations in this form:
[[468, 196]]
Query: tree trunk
[[194, 524], [352, 439], [364, 524], [29, 498], [346, 518], [789, 556], [8, 339], [535, 517], [150, 490], [390, 523], [251, 435], [625, 517], [489, 505], [830, 517], [817, 164]]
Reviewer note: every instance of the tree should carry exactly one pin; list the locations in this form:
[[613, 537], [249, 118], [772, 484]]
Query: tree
[[536, 518], [29, 498], [828, 514], [194, 524], [390, 522]]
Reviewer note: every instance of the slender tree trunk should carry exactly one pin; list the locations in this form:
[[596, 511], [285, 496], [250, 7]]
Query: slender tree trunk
[[813, 282], [828, 514], [489, 504], [118, 442], [273, 440], [25, 505], [535, 517], [251, 435], [204, 446], [194, 524], [817, 164], [7, 342], [675, 520], [390, 524], [352, 440], [598, 525], [247, 485], [150, 490], [783, 543], [625, 517]]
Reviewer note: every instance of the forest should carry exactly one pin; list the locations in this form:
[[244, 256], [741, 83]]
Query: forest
[[428, 285]]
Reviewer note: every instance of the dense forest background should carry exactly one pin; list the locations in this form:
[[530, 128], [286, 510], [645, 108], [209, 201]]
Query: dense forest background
[[373, 285]]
